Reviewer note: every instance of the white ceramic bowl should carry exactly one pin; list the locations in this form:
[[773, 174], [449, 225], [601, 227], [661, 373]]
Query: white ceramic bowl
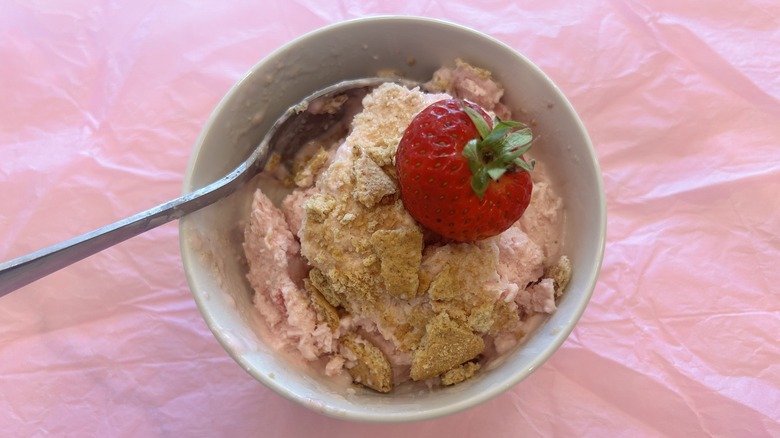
[[211, 238]]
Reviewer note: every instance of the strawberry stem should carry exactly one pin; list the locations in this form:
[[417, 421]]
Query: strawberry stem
[[497, 150]]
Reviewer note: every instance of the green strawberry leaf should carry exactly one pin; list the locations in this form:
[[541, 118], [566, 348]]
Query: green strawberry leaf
[[470, 152], [478, 120], [528, 167], [496, 172], [519, 138], [500, 130], [479, 182], [496, 150]]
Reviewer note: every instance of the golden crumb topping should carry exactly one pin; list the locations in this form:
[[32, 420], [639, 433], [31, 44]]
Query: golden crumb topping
[[386, 114], [467, 267], [325, 311], [460, 373], [305, 172], [447, 344], [371, 182], [318, 281], [370, 366], [369, 258], [369, 261], [561, 274], [356, 198], [400, 253], [318, 207]]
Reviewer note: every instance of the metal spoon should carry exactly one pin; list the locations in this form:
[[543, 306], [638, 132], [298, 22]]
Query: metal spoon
[[294, 128]]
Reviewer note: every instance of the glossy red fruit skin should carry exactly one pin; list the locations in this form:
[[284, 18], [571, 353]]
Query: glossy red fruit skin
[[435, 178]]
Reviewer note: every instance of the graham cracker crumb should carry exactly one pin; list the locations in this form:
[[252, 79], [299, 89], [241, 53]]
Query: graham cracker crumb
[[445, 285], [476, 71], [440, 82], [446, 345], [465, 286], [425, 280], [481, 317], [345, 254], [370, 260], [273, 162], [410, 333], [560, 274], [319, 281], [371, 367], [332, 105], [459, 374], [466, 268], [325, 311], [386, 114], [371, 183], [319, 206], [505, 317], [305, 173], [400, 253], [390, 73], [468, 82]]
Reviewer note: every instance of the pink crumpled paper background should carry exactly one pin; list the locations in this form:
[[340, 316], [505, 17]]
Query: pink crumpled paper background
[[102, 101]]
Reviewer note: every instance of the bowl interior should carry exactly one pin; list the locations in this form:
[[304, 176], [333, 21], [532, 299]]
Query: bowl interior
[[415, 47]]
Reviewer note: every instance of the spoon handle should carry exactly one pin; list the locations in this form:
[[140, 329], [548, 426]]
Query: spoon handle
[[26, 269], [287, 130]]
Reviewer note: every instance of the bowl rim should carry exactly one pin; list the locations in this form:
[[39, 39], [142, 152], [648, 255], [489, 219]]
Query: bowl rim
[[381, 416]]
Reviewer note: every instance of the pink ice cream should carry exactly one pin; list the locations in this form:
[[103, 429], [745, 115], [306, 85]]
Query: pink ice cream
[[344, 275]]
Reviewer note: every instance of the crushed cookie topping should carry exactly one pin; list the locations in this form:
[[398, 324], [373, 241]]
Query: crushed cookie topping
[[371, 182], [370, 367], [446, 345], [434, 302], [400, 254]]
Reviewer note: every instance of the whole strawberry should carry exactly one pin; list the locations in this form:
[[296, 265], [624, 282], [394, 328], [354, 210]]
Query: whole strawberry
[[459, 175]]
